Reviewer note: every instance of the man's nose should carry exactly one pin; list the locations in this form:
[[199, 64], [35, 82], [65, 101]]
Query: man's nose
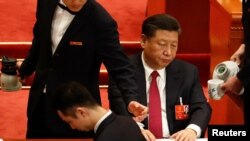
[[167, 50]]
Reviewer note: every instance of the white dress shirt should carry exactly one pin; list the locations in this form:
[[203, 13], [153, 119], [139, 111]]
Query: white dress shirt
[[161, 82], [101, 120], [61, 21]]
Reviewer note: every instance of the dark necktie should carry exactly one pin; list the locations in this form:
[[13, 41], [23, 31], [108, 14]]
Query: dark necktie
[[66, 8], [155, 121]]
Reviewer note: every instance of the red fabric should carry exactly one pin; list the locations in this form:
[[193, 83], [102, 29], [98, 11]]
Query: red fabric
[[17, 20], [155, 121], [17, 24], [129, 16], [13, 117]]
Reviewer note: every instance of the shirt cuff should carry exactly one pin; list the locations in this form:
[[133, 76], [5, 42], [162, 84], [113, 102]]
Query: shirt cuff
[[196, 128]]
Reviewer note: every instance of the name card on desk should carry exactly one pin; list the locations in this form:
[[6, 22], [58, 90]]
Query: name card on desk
[[200, 139]]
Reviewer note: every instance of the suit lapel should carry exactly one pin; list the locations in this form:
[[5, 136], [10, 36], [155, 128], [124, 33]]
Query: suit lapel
[[173, 82], [76, 23], [104, 124], [140, 76], [141, 81], [48, 18]]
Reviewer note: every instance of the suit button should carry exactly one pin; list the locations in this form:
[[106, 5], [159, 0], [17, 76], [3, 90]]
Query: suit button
[[56, 54]]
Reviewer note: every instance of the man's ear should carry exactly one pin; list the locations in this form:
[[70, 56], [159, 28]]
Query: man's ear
[[143, 40], [82, 111]]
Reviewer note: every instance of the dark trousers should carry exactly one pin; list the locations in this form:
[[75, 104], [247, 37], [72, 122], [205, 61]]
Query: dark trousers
[[36, 127]]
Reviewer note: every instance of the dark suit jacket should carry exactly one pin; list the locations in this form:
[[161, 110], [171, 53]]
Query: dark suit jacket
[[244, 73], [118, 128], [182, 81], [96, 30]]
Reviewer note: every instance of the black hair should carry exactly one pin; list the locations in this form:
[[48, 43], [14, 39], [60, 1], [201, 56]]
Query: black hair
[[71, 95], [159, 22]]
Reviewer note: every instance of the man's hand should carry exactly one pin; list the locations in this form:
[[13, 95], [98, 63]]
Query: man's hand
[[18, 64], [138, 110], [232, 86], [21, 79], [148, 135], [187, 134], [236, 57]]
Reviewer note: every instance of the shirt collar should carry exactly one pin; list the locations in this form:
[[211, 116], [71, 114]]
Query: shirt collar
[[61, 1], [149, 70], [101, 120]]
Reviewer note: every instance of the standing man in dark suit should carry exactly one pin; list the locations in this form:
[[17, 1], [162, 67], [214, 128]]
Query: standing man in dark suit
[[79, 109], [178, 82], [72, 38], [242, 56]]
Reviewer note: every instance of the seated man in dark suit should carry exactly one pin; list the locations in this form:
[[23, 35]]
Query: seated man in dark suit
[[76, 106], [182, 111]]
